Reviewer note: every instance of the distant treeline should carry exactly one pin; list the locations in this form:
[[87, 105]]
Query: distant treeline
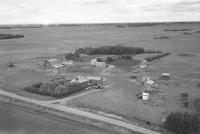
[[112, 50], [157, 56], [162, 37], [10, 36], [4, 27], [57, 87], [185, 29]]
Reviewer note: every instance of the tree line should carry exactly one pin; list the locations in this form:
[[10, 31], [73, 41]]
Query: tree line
[[112, 50], [57, 87], [10, 36]]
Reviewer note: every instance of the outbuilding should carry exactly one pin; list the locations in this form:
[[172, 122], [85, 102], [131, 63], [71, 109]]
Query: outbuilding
[[165, 75]]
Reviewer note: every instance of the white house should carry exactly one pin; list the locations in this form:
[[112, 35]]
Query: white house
[[100, 64], [93, 62]]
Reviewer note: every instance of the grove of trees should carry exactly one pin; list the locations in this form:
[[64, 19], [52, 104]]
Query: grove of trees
[[112, 50], [10, 36], [182, 123], [57, 87]]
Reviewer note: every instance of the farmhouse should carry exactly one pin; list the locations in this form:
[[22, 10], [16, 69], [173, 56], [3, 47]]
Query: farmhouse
[[94, 62]]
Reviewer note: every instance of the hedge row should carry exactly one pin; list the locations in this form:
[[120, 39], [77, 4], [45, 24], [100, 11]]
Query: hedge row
[[157, 56]]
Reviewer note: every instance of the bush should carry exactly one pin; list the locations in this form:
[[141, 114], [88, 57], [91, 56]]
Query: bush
[[182, 123], [184, 96], [198, 84], [157, 57], [11, 65], [99, 60], [109, 59], [126, 57], [72, 56]]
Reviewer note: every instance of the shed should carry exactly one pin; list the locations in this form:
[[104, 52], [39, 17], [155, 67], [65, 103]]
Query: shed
[[94, 78], [145, 96], [57, 65], [70, 62], [143, 66], [165, 75]]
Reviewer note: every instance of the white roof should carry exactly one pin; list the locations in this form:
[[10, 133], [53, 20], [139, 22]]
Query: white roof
[[146, 77], [57, 65], [52, 60], [93, 78], [143, 66], [150, 82], [100, 64], [166, 74], [67, 62], [144, 61]]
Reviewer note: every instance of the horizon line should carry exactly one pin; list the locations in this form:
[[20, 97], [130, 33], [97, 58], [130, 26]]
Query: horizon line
[[100, 23]]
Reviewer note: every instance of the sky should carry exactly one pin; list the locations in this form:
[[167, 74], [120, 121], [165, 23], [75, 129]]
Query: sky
[[97, 11]]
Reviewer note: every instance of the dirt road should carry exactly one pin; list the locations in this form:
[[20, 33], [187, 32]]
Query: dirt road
[[81, 113]]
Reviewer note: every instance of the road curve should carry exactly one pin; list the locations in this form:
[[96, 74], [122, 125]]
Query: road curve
[[81, 113]]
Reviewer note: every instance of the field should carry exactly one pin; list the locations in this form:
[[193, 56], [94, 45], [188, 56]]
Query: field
[[19, 120], [183, 64], [46, 41]]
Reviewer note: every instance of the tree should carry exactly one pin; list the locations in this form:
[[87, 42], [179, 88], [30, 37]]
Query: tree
[[182, 123], [11, 65], [109, 59], [99, 60]]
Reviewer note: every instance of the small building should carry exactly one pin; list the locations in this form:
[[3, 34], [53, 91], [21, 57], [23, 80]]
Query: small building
[[57, 65], [143, 66], [145, 96], [150, 82], [134, 70], [94, 78], [144, 61], [70, 62], [52, 60], [145, 78], [93, 62], [165, 75]]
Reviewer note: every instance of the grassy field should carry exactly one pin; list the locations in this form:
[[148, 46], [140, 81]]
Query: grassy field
[[183, 64], [55, 40], [121, 99]]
